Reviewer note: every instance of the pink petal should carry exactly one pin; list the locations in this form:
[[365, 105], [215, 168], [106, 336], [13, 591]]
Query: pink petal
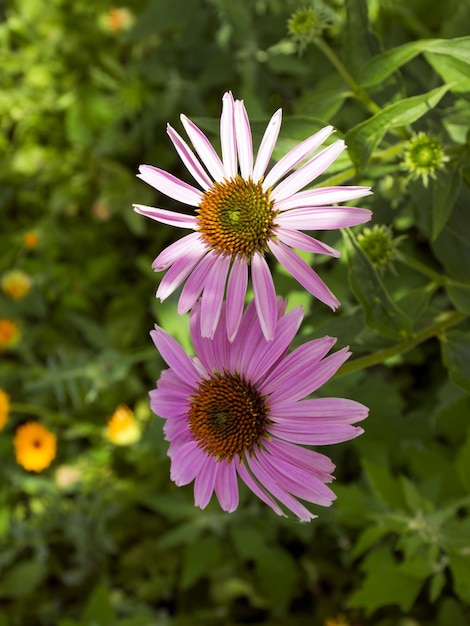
[[323, 218], [213, 295], [171, 253], [195, 283], [318, 464], [189, 158], [178, 272], [321, 196], [180, 220], [226, 486], [264, 295], [268, 352], [267, 144], [227, 136], [301, 241], [212, 353], [204, 148], [295, 156], [244, 140], [205, 482], [277, 491], [315, 434], [290, 387], [174, 355], [186, 463], [236, 291], [303, 273], [170, 185], [246, 342], [301, 360], [251, 483], [308, 172], [329, 410]]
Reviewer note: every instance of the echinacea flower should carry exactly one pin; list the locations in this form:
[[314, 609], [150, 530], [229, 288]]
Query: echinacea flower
[[236, 410], [242, 213], [35, 446]]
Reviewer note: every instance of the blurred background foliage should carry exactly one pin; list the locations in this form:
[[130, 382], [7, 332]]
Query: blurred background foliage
[[101, 536]]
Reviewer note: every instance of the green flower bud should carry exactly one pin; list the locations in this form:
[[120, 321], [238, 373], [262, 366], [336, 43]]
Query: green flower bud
[[423, 156]]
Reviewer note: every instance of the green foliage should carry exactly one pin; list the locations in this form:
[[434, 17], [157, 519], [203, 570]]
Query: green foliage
[[102, 537]]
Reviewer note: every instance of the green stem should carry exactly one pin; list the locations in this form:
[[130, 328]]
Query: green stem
[[421, 268], [356, 88], [445, 321], [18, 407]]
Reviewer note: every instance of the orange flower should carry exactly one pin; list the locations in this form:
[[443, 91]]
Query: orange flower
[[339, 621], [9, 334], [30, 239], [4, 408], [35, 447], [16, 284], [119, 19], [123, 428]]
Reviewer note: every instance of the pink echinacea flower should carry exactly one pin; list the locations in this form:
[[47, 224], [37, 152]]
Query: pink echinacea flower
[[242, 213], [236, 410]]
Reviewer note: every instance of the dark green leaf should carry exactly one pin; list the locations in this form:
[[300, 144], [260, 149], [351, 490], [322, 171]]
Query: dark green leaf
[[200, 558], [455, 346], [445, 191], [460, 568], [98, 609], [459, 293], [360, 44], [22, 579], [385, 486]]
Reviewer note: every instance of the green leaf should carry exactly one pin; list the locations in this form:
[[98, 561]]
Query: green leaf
[[383, 65], [278, 576], [98, 609], [436, 586], [380, 312], [445, 191], [359, 42], [200, 558], [460, 569], [366, 136], [387, 489], [385, 583], [452, 70], [414, 499], [22, 579], [459, 293], [455, 347], [451, 612], [462, 463]]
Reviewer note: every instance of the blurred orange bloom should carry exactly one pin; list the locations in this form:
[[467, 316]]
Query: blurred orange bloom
[[35, 446], [9, 334], [119, 19], [123, 428], [4, 408], [340, 620], [30, 239], [16, 284]]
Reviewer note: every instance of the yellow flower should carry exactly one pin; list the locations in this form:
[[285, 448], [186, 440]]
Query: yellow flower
[[30, 239], [118, 19], [4, 408], [9, 334], [123, 428], [16, 284], [339, 621], [35, 446]]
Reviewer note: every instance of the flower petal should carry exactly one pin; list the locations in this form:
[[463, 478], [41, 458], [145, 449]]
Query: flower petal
[[189, 158], [178, 272], [330, 410], [213, 295], [315, 434], [244, 140], [267, 145], [323, 218], [252, 484], [171, 253], [227, 135], [236, 291], [196, 282], [204, 148], [170, 185], [308, 172], [321, 196], [264, 295], [304, 242], [315, 462], [180, 220], [205, 482], [174, 355], [226, 486], [303, 273], [295, 156], [186, 463]]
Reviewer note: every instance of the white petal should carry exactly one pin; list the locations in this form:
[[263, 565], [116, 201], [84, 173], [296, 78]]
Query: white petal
[[244, 140], [267, 145], [227, 135], [204, 148]]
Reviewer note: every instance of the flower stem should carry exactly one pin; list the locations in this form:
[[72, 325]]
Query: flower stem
[[443, 322]]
